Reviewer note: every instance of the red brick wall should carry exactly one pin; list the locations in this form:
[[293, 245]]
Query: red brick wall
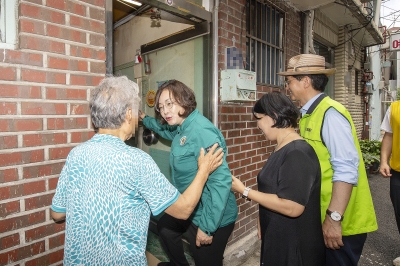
[[247, 148], [43, 114]]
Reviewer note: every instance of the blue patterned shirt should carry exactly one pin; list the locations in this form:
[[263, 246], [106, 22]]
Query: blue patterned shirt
[[107, 190]]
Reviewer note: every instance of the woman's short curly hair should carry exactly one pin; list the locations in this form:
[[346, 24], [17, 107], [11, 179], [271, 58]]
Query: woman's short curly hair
[[279, 107], [110, 100], [182, 94]]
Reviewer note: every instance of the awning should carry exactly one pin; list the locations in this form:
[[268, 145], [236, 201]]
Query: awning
[[347, 12]]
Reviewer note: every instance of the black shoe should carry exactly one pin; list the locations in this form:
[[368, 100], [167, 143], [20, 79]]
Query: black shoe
[[164, 264]]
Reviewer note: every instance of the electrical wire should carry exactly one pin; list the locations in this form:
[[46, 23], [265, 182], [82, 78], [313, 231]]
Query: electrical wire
[[359, 28], [389, 8], [391, 14], [359, 50], [394, 21]]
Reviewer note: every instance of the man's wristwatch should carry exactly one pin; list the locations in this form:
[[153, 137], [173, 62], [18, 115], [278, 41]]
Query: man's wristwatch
[[336, 216], [246, 193]]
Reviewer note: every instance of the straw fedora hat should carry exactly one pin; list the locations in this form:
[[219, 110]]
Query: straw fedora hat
[[307, 64]]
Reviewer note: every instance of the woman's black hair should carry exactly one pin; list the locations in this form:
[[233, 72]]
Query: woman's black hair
[[279, 107]]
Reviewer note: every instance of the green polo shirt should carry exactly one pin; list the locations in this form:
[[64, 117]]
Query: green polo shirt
[[217, 206]]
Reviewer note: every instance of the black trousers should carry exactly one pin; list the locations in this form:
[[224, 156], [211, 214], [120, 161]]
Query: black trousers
[[349, 254], [171, 230], [395, 195]]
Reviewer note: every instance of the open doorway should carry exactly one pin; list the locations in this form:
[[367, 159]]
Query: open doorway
[[155, 42]]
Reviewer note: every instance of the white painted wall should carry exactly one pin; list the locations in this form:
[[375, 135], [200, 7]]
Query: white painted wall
[[130, 36]]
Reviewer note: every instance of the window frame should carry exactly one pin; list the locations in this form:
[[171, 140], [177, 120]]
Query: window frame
[[265, 40], [8, 24], [329, 63]]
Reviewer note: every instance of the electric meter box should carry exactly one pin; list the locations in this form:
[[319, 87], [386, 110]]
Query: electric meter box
[[238, 85], [370, 87]]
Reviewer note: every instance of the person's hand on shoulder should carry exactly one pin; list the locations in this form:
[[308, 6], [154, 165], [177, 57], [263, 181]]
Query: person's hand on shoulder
[[212, 160]]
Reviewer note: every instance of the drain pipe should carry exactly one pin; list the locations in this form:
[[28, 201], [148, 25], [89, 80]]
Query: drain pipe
[[214, 93]]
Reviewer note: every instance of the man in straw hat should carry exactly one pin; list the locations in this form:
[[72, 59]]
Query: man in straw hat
[[346, 204]]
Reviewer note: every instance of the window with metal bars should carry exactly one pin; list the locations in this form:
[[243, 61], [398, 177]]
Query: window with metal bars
[[329, 54], [264, 41]]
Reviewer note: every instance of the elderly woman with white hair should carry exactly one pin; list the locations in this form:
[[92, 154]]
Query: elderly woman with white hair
[[107, 189]]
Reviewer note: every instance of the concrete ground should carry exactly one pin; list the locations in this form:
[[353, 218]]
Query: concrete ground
[[383, 245]]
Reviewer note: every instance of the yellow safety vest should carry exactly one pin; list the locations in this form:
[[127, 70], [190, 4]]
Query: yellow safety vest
[[359, 216], [395, 124]]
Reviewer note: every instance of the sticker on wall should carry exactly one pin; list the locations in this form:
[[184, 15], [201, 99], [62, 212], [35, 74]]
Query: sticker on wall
[[150, 98]]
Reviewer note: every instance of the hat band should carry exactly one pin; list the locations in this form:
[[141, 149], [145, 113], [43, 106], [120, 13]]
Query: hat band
[[306, 68]]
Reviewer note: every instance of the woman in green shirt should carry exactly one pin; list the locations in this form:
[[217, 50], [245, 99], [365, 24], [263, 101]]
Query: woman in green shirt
[[213, 219]]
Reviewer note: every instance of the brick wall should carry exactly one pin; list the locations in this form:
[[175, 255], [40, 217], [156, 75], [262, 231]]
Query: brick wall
[[43, 114], [247, 148]]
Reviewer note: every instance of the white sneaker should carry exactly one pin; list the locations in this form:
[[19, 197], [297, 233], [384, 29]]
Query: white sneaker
[[396, 261]]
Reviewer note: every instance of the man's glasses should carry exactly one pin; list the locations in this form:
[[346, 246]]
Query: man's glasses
[[168, 105], [286, 83]]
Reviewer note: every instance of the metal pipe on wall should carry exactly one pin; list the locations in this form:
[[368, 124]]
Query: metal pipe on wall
[[308, 37], [214, 94]]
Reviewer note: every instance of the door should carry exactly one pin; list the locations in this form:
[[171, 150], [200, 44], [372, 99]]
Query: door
[[127, 70], [184, 62]]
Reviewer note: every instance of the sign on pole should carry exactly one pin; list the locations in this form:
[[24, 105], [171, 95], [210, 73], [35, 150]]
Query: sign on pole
[[395, 42]]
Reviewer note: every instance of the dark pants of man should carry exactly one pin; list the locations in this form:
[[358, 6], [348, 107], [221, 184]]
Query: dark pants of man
[[171, 230], [349, 254], [395, 195]]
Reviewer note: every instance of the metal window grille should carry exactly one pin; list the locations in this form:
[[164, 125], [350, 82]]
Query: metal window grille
[[264, 41]]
